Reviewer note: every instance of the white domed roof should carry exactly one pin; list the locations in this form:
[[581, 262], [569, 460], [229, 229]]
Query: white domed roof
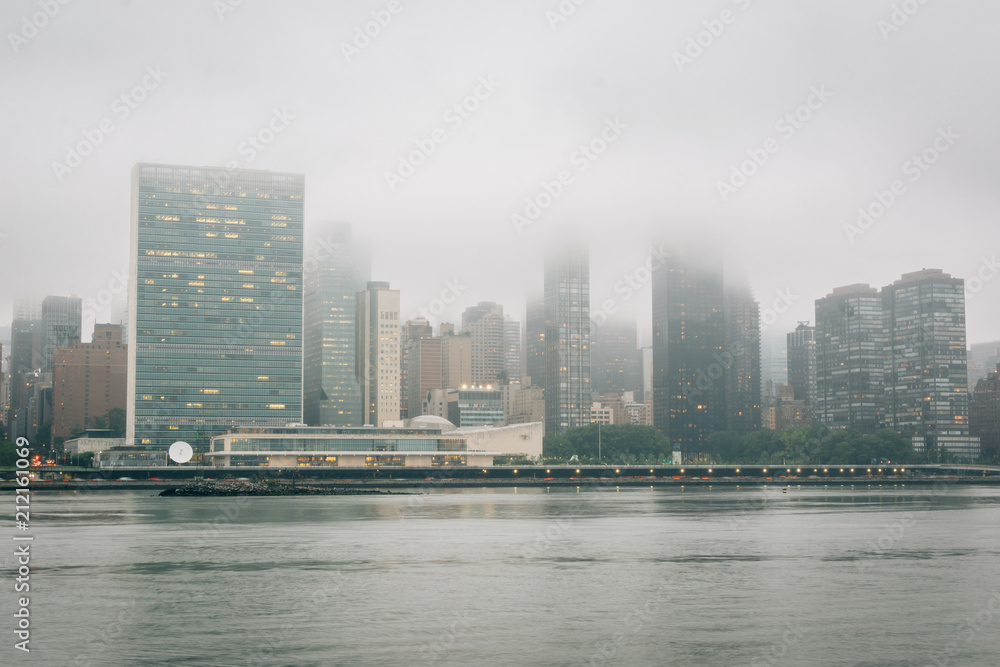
[[431, 421]]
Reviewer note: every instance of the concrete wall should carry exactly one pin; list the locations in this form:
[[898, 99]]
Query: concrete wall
[[84, 445], [517, 439]]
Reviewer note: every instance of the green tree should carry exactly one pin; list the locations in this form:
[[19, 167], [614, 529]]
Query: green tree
[[44, 435], [116, 422], [8, 457]]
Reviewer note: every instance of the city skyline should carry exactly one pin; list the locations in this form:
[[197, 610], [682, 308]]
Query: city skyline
[[523, 117]]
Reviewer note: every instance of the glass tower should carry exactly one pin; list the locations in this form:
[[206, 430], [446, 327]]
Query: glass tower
[[926, 373], [850, 382], [331, 387], [567, 340], [690, 357], [215, 303]]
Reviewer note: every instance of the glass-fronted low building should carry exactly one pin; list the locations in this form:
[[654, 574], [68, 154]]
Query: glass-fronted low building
[[424, 442], [344, 447], [130, 457]]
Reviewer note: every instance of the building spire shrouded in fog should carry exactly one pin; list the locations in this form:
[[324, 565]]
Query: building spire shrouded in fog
[[334, 274], [567, 339]]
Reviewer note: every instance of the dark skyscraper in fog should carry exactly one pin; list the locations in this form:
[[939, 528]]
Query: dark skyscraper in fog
[[335, 271], [802, 363], [615, 366], [742, 360], [61, 321], [534, 343], [689, 340], [567, 339], [850, 374], [926, 365]]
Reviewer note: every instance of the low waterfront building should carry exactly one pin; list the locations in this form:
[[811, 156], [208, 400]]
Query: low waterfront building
[[424, 441], [92, 441], [130, 457]]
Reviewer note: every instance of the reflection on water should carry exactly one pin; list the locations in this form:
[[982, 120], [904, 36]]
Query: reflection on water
[[832, 575]]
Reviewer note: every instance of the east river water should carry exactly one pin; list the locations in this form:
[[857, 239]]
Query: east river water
[[838, 575]]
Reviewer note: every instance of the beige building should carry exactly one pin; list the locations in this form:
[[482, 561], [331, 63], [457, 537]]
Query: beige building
[[456, 358], [378, 353], [523, 404]]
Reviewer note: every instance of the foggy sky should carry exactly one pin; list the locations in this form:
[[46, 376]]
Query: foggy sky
[[546, 88]]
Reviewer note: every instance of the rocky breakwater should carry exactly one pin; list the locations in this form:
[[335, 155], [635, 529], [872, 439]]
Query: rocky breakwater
[[262, 488]]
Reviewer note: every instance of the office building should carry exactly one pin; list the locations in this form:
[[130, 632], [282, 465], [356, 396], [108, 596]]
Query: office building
[[742, 360], [567, 339], [456, 358], [983, 359], [534, 338], [336, 272], [850, 374], [486, 327], [215, 303], [925, 360], [615, 358], [523, 404], [984, 414], [801, 345], [420, 366], [512, 350], [61, 322], [378, 364], [689, 341], [88, 380]]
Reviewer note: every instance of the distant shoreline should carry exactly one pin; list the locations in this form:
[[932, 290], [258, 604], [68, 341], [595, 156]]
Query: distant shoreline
[[586, 482]]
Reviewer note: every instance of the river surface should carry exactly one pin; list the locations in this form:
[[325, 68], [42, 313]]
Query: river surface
[[839, 575]]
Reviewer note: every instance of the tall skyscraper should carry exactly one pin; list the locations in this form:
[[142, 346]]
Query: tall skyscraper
[[534, 338], [456, 358], [984, 414], [411, 334], [61, 322], [28, 309], [331, 390], [773, 359], [983, 359], [689, 350], [615, 358], [567, 339], [485, 324], [25, 360], [215, 303], [926, 367], [423, 372], [378, 365], [512, 349], [88, 380], [742, 378], [850, 374], [802, 363]]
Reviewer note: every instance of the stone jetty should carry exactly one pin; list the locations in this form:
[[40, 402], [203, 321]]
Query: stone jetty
[[262, 488]]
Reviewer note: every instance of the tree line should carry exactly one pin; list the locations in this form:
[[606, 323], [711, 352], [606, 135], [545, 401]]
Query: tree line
[[631, 444]]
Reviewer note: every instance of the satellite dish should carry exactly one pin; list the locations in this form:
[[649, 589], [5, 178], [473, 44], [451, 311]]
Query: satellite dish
[[180, 452]]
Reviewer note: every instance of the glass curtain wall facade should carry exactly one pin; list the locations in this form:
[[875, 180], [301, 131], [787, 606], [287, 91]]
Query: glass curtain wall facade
[[850, 378], [338, 270], [741, 359], [215, 298], [926, 365], [689, 338], [567, 340]]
